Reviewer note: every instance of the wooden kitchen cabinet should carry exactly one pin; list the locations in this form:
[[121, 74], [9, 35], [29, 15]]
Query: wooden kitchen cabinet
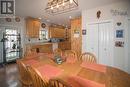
[[65, 45], [56, 32], [76, 38], [32, 27], [43, 48]]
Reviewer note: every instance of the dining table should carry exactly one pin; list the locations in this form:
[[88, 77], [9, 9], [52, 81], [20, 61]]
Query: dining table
[[78, 73]]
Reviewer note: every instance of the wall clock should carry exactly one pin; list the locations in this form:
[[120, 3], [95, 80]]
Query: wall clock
[[43, 25], [8, 19], [17, 19]]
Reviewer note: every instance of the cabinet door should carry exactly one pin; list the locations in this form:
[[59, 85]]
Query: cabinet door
[[33, 26], [57, 33], [92, 39], [106, 34], [29, 26], [36, 27]]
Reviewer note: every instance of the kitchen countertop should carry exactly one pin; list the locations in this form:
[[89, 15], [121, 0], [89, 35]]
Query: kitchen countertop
[[43, 43]]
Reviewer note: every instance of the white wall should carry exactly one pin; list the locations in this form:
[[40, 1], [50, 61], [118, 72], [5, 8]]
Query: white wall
[[89, 16]]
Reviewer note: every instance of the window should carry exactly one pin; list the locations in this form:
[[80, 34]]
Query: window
[[43, 34], [11, 44]]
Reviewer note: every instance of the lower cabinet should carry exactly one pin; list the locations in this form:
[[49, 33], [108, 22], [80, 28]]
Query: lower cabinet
[[45, 48], [66, 45]]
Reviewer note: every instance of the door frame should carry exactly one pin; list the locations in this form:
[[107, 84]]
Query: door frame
[[106, 21], [102, 21]]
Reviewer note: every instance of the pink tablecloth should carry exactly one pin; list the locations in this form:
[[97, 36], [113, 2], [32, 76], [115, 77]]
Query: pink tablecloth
[[77, 81], [48, 71], [96, 67]]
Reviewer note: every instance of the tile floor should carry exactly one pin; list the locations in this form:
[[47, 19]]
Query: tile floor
[[9, 76]]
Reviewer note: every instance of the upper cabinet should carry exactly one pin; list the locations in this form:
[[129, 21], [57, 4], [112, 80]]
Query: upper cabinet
[[32, 27], [56, 32]]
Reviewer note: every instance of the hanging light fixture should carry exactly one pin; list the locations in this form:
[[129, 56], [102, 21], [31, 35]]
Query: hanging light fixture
[[61, 6]]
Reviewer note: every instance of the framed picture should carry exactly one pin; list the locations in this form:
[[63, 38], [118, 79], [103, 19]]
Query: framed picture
[[119, 33], [119, 44], [83, 32]]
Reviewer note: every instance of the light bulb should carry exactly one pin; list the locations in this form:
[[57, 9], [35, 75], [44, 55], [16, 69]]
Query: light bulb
[[51, 7], [63, 4], [71, 1], [57, 6]]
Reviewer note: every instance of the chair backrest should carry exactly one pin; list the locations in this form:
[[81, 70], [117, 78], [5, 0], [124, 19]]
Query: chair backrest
[[70, 53], [88, 57], [58, 83], [37, 79], [58, 52], [24, 74]]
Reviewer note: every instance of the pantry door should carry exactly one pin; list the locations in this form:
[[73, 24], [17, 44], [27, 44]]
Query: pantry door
[[106, 42], [92, 39]]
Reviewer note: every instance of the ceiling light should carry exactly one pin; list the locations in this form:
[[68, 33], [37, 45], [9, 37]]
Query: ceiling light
[[62, 5]]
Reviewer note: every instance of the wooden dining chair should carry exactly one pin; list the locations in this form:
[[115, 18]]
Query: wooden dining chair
[[30, 53], [25, 78], [88, 57], [58, 52], [37, 79], [70, 55], [58, 83]]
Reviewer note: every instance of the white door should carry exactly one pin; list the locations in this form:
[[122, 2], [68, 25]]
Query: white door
[[106, 34], [129, 47], [92, 39]]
